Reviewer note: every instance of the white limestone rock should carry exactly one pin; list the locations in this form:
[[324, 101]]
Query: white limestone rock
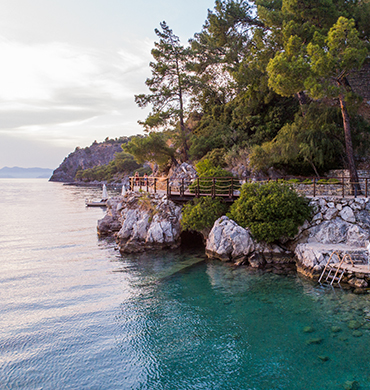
[[229, 241], [310, 256], [330, 214], [150, 223], [347, 214]]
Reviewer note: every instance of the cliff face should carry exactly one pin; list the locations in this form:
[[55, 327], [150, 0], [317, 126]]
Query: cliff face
[[95, 155], [142, 222]]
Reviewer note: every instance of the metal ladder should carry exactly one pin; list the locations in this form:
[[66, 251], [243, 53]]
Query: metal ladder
[[334, 271]]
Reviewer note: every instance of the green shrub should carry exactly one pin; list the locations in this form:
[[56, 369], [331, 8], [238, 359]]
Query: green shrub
[[271, 210], [200, 214], [206, 170]]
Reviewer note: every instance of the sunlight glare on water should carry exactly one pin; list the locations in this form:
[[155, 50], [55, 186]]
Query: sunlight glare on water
[[77, 315]]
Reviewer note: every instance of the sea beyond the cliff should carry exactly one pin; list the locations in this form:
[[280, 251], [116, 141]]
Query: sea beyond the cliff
[[75, 314]]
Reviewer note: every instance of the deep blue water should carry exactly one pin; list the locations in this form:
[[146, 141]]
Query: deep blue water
[[74, 314]]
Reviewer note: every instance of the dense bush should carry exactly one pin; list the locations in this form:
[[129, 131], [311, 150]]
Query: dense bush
[[271, 210], [200, 214]]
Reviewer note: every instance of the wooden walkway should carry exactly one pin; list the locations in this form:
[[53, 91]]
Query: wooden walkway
[[227, 188]]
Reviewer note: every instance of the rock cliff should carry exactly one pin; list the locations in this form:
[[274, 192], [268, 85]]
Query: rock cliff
[[95, 155], [142, 222]]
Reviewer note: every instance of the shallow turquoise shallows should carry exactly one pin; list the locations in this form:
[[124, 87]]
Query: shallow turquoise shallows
[[76, 315]]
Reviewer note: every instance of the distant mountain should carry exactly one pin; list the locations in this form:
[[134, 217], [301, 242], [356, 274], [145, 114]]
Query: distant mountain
[[25, 173]]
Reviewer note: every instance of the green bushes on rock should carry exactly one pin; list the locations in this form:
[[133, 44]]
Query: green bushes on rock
[[200, 214], [271, 210]]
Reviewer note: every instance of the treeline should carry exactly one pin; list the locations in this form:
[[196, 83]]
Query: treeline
[[264, 82]]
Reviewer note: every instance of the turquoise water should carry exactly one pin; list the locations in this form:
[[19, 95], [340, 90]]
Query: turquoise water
[[76, 315]]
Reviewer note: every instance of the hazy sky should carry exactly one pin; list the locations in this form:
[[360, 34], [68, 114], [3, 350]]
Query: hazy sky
[[69, 71]]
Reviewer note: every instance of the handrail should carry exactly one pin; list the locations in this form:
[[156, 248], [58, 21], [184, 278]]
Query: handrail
[[337, 265], [214, 186], [327, 264]]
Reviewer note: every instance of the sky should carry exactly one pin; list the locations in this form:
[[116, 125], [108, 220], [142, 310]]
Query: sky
[[69, 71]]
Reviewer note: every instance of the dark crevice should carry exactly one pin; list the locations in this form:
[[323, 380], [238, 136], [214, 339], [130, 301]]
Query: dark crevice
[[190, 240]]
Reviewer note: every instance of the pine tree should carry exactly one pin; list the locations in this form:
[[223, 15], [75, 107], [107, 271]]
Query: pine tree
[[169, 86]]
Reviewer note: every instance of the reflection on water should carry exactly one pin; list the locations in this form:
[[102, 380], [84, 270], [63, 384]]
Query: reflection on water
[[76, 315]]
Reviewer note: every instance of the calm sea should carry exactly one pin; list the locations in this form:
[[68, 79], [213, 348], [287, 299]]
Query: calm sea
[[74, 314]]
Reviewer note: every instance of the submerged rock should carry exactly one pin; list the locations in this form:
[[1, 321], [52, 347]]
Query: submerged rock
[[308, 329], [317, 340], [351, 385]]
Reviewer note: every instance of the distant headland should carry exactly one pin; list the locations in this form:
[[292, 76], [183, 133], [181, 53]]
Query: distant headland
[[25, 173]]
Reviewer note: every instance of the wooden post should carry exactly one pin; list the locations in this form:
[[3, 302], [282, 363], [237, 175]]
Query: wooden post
[[197, 191], [155, 185], [182, 187], [232, 188], [314, 187], [168, 187], [342, 186], [147, 184], [213, 191], [366, 188]]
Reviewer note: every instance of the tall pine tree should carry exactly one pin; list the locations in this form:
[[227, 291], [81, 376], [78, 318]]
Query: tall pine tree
[[169, 86]]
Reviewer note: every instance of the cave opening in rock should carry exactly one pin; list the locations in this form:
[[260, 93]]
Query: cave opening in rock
[[191, 239]]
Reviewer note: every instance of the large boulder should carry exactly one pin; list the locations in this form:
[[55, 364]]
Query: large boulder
[[229, 241]]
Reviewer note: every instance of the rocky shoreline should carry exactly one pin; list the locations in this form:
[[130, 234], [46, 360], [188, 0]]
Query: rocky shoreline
[[142, 222]]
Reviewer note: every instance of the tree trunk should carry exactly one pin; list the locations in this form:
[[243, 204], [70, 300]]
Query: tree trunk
[[183, 140], [313, 167], [303, 101], [174, 161], [349, 148]]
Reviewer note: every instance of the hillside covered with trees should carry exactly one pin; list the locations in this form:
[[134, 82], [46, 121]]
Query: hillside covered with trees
[[265, 83]]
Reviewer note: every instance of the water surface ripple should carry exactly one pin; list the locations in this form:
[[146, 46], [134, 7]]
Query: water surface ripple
[[76, 315]]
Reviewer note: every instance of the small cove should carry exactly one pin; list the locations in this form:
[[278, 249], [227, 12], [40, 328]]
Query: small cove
[[77, 315]]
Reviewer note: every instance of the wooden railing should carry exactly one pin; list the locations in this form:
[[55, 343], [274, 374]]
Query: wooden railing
[[228, 187]]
